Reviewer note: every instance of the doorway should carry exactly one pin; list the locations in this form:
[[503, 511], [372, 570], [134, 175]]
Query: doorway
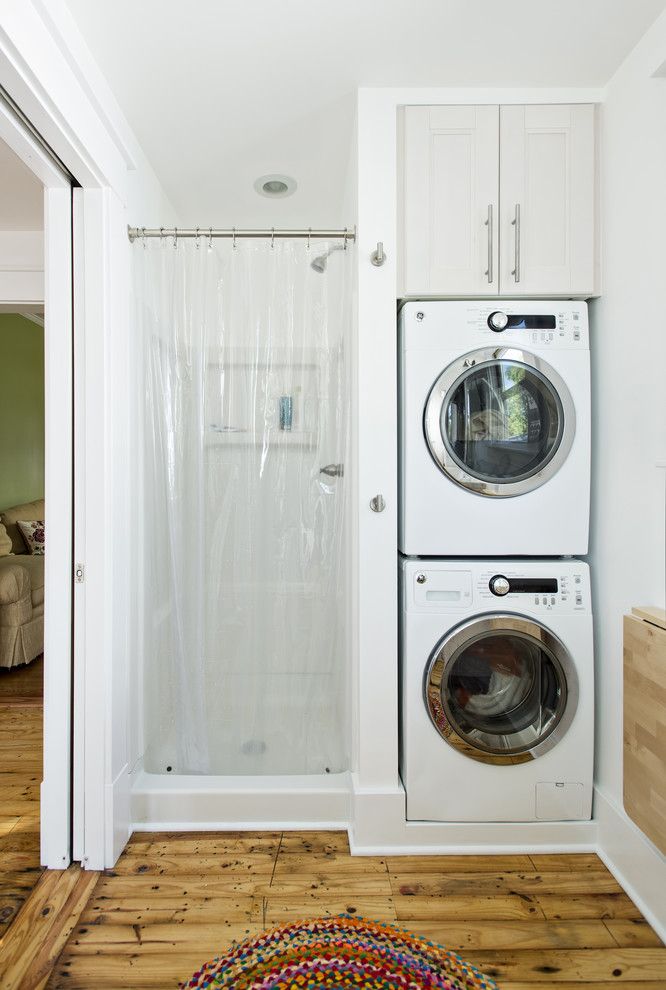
[[36, 507]]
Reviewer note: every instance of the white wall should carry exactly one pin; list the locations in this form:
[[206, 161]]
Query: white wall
[[629, 369], [21, 267], [628, 329]]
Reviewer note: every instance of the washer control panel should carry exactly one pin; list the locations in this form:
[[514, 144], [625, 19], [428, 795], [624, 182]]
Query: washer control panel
[[503, 585], [547, 592]]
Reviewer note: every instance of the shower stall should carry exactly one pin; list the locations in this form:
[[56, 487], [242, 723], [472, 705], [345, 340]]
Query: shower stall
[[242, 693]]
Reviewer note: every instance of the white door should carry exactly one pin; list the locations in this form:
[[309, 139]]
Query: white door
[[450, 201], [547, 231]]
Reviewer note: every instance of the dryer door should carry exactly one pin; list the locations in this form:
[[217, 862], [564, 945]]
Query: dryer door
[[501, 689], [499, 421]]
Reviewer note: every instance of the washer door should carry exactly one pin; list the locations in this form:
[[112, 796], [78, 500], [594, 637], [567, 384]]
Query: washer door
[[499, 421], [501, 689]]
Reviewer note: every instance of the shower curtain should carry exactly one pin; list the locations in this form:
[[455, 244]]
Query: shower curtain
[[243, 353]]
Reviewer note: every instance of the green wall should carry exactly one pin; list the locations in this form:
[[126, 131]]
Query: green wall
[[21, 410]]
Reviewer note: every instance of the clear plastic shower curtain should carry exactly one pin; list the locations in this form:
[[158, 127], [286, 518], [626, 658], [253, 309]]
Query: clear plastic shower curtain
[[245, 400]]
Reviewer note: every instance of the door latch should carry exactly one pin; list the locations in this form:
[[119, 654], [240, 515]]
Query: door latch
[[79, 573]]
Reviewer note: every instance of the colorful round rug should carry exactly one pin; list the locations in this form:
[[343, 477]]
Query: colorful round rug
[[336, 953]]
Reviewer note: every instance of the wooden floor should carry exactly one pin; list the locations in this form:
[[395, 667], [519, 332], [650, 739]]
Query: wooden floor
[[20, 776], [175, 900]]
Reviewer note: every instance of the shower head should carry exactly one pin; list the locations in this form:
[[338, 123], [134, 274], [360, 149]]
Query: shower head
[[319, 263]]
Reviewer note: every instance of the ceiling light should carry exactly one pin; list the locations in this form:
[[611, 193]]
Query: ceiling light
[[275, 186]]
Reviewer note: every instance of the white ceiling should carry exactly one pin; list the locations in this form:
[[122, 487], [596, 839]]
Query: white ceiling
[[219, 92], [21, 194]]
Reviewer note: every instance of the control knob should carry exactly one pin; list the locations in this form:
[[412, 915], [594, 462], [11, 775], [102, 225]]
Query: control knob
[[499, 585], [498, 321]]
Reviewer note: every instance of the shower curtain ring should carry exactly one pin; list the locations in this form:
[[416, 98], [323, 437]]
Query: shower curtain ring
[[161, 235], [210, 238], [175, 238], [345, 240], [143, 237], [196, 238], [309, 233], [272, 237], [233, 238]]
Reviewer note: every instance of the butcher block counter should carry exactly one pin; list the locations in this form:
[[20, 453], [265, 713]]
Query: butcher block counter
[[645, 721]]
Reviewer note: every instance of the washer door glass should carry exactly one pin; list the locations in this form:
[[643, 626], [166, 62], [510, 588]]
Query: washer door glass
[[501, 426], [502, 692]]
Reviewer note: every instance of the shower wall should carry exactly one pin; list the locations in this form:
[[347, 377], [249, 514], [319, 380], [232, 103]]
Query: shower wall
[[244, 401]]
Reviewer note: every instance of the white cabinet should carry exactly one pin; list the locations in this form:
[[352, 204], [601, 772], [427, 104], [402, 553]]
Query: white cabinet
[[451, 191], [499, 200], [547, 195]]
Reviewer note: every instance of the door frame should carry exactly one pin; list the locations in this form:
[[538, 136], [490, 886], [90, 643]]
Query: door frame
[[48, 74], [55, 791]]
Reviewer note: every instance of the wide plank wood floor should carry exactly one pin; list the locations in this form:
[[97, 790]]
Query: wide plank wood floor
[[20, 776], [177, 899]]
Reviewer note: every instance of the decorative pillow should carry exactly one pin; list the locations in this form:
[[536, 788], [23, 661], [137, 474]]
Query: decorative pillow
[[33, 534], [5, 542], [10, 518]]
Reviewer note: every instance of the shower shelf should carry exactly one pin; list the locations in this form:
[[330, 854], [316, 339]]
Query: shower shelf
[[275, 437]]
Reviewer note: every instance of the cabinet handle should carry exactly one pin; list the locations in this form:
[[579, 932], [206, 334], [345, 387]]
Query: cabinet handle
[[516, 223], [489, 225]]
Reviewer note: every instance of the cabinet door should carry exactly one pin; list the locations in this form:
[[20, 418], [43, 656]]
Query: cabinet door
[[547, 194], [450, 198]]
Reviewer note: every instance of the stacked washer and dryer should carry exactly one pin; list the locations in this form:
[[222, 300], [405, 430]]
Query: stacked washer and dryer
[[497, 671]]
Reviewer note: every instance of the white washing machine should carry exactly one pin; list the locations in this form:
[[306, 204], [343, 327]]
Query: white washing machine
[[494, 428], [497, 690]]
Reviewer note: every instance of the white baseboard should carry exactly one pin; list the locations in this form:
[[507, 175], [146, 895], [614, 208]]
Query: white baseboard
[[379, 828], [117, 814], [634, 861]]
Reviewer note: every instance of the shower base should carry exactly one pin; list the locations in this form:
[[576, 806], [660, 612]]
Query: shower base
[[182, 802]]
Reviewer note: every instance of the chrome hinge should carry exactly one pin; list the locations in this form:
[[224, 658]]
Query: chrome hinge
[[79, 573]]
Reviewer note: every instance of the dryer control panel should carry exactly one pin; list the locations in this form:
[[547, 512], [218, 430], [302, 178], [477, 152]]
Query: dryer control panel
[[527, 322], [553, 325]]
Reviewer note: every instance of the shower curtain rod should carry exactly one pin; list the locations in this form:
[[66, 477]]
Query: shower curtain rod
[[138, 233]]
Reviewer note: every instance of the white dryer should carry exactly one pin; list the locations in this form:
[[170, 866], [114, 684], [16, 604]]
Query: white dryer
[[497, 690], [494, 428]]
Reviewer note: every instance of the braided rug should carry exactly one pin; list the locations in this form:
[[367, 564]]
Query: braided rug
[[338, 953]]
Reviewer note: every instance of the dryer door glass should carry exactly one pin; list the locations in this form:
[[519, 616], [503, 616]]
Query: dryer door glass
[[502, 422], [501, 426], [502, 693]]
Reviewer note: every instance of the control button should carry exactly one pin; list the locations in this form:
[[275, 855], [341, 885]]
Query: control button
[[536, 599], [579, 598], [553, 600], [544, 601], [499, 585], [577, 579], [420, 579], [498, 321]]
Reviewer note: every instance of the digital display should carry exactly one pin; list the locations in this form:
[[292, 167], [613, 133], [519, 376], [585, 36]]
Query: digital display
[[534, 321], [533, 585]]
